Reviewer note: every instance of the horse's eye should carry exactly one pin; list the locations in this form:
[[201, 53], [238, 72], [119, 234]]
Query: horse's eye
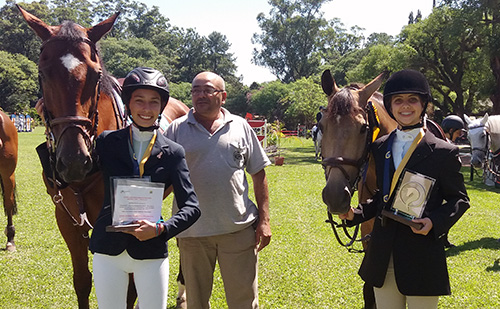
[[363, 129]]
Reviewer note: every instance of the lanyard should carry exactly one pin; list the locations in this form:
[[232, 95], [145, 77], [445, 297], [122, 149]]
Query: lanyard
[[388, 184], [146, 155]]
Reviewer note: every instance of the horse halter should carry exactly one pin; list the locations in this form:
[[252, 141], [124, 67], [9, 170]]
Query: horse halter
[[86, 125]]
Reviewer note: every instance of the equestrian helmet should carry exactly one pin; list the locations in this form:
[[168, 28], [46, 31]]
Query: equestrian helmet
[[148, 78], [452, 122], [407, 81]]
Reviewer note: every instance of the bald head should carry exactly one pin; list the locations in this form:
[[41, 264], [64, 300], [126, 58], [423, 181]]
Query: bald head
[[209, 78]]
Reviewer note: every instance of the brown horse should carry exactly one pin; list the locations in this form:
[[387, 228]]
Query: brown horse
[[348, 126], [8, 162], [78, 105]]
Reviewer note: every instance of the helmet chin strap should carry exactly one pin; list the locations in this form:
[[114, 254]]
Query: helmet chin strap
[[418, 125], [423, 119], [155, 126]]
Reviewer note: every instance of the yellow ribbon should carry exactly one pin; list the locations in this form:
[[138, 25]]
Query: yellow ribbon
[[407, 156], [147, 153], [376, 129]]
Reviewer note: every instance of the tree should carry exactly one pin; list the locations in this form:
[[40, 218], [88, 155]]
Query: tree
[[18, 82], [16, 37], [270, 100], [121, 56], [181, 91], [381, 58], [448, 51], [290, 38], [218, 58], [192, 55], [78, 11], [484, 15], [305, 97], [237, 101]]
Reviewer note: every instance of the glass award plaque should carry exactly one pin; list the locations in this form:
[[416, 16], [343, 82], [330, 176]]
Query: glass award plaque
[[410, 197], [134, 199]]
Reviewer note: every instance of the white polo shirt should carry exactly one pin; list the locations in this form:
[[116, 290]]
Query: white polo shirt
[[217, 164]]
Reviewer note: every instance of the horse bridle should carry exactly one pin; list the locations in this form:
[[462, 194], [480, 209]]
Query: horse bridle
[[339, 162], [88, 128], [361, 164], [86, 125], [486, 151], [486, 147]]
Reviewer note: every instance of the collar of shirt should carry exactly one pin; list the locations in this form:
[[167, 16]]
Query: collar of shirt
[[406, 136], [228, 117], [403, 139], [141, 136]]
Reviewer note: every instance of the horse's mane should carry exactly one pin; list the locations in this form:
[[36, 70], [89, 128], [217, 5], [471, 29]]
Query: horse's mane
[[342, 103], [70, 32]]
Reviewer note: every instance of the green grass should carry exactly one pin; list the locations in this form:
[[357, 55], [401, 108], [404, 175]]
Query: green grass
[[303, 267]]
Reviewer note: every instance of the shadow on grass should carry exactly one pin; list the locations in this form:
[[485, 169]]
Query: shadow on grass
[[477, 182], [483, 243]]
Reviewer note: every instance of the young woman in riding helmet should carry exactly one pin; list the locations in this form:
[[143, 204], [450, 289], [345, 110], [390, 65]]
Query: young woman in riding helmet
[[407, 264], [138, 151], [453, 127]]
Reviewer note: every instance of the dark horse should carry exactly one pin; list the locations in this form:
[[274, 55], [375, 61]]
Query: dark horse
[[8, 162], [78, 104], [349, 126]]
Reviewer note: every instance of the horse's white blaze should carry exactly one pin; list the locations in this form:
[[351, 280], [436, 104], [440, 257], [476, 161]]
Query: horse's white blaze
[[70, 62]]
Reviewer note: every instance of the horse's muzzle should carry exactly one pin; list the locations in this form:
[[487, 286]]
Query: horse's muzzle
[[338, 203]]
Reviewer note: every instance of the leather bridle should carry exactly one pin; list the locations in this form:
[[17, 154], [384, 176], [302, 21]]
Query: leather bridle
[[486, 150], [361, 164], [86, 125], [88, 129]]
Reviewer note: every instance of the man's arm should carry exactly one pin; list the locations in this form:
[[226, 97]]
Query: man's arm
[[263, 231]]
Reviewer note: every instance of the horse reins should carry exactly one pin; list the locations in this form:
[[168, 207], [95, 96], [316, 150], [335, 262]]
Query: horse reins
[[371, 122]]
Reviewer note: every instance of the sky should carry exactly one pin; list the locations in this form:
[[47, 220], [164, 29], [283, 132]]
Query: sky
[[237, 20]]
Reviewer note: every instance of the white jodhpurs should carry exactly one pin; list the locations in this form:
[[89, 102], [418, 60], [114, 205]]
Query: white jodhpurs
[[111, 276]]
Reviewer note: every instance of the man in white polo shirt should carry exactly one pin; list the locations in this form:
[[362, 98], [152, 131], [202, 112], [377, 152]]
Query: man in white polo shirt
[[219, 147]]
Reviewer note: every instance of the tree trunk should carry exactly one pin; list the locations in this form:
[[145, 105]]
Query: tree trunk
[[495, 97]]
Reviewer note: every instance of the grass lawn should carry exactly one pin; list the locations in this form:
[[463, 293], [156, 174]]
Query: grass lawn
[[303, 267]]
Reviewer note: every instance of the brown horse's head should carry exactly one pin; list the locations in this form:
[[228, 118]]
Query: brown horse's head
[[70, 73], [346, 137]]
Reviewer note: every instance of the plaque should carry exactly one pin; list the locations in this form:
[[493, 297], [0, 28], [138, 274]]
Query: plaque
[[134, 199], [410, 197]]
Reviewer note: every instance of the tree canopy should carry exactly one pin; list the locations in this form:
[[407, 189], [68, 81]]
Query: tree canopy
[[457, 47]]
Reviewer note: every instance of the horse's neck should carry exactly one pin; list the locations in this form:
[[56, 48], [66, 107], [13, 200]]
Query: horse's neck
[[494, 130], [387, 124], [110, 115]]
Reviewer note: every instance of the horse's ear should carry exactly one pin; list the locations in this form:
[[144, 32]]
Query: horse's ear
[[328, 83], [98, 31], [42, 30], [485, 119], [467, 119], [366, 92]]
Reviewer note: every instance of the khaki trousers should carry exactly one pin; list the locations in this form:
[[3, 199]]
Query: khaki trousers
[[389, 297], [237, 259]]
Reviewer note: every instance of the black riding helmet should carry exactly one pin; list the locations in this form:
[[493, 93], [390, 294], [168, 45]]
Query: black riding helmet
[[406, 81], [452, 122], [148, 78]]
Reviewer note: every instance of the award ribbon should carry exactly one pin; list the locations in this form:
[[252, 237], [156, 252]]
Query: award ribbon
[[147, 153]]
